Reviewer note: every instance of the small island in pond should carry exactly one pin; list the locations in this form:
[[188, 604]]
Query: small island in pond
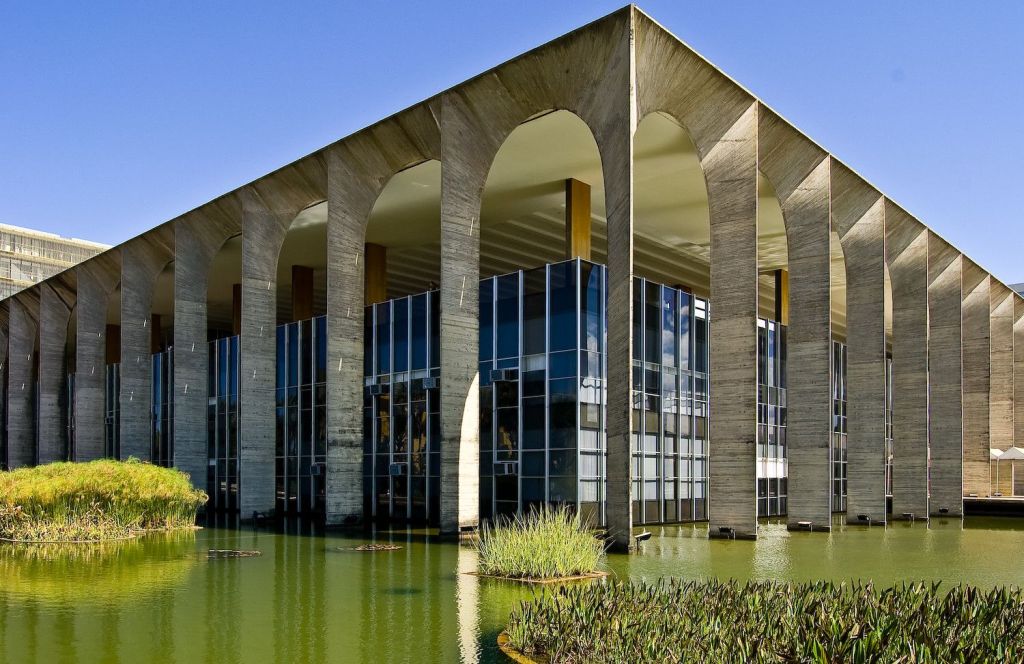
[[548, 544], [95, 501]]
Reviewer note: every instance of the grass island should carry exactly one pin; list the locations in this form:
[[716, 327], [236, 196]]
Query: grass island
[[545, 545], [95, 501]]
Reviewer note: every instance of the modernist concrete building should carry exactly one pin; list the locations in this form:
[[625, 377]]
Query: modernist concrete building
[[602, 273], [28, 256]]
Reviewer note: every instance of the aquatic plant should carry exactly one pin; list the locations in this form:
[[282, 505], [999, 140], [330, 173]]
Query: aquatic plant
[[98, 500], [546, 543], [724, 621]]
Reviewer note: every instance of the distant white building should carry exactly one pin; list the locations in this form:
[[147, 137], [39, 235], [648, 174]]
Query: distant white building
[[28, 256]]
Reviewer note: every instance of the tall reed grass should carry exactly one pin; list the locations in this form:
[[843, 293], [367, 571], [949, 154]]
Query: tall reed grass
[[720, 621], [98, 500], [549, 543]]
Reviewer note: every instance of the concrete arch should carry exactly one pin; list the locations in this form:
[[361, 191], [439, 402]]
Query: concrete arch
[[22, 373], [1018, 372], [358, 170], [799, 171], [977, 344], [858, 216], [722, 119], [198, 237], [4, 329], [588, 74], [945, 376], [268, 207], [907, 259], [56, 300], [142, 261], [96, 280]]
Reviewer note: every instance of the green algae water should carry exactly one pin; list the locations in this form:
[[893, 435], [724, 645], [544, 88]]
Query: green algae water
[[310, 598]]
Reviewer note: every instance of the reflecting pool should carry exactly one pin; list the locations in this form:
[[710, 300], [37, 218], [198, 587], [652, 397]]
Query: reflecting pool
[[310, 598]]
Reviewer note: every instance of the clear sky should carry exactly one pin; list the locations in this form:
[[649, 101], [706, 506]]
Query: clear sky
[[115, 117]]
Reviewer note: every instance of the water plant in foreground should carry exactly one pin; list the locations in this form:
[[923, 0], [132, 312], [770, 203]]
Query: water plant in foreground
[[724, 621], [94, 501], [547, 543]]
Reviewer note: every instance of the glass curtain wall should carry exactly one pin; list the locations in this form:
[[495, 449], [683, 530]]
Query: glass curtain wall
[[162, 405], [301, 415], [542, 395], [838, 426], [112, 411], [670, 404], [222, 432], [772, 470], [401, 409]]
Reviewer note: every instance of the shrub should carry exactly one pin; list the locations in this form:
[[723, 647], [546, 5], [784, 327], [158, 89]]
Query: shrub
[[770, 622], [548, 543], [99, 500]]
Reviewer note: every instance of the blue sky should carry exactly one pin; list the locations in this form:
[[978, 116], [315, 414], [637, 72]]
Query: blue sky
[[115, 117]]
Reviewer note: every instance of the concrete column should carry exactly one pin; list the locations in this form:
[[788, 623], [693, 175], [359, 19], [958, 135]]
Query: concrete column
[[54, 314], [1001, 363], [858, 215], [730, 169], [21, 366], [1018, 372], [95, 280], [463, 174], [976, 358], [3, 385], [945, 268], [357, 171], [375, 285], [263, 233], [141, 262], [348, 210], [799, 172], [907, 248], [615, 143], [197, 239], [577, 219]]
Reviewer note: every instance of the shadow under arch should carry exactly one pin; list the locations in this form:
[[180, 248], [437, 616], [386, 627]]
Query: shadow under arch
[[671, 207], [523, 200]]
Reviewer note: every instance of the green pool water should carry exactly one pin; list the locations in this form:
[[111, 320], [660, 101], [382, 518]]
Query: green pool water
[[308, 598]]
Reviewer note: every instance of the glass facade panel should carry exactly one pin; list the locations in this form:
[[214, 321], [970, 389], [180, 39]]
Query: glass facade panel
[[223, 434], [772, 470], [401, 410], [838, 426], [112, 411], [162, 405], [301, 411]]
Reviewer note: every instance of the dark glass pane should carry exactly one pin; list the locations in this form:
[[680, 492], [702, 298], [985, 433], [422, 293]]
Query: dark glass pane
[[591, 332], [401, 327], [508, 316], [652, 322], [383, 337], [563, 306], [533, 423], [419, 332], [533, 312], [486, 319]]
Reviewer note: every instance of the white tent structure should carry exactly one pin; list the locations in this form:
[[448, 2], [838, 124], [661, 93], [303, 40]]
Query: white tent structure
[[1011, 455]]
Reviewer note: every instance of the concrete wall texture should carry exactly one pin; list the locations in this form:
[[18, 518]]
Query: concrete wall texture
[[956, 335]]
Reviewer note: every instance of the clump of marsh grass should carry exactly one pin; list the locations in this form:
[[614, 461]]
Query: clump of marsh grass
[[763, 622], [95, 501], [548, 543]]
